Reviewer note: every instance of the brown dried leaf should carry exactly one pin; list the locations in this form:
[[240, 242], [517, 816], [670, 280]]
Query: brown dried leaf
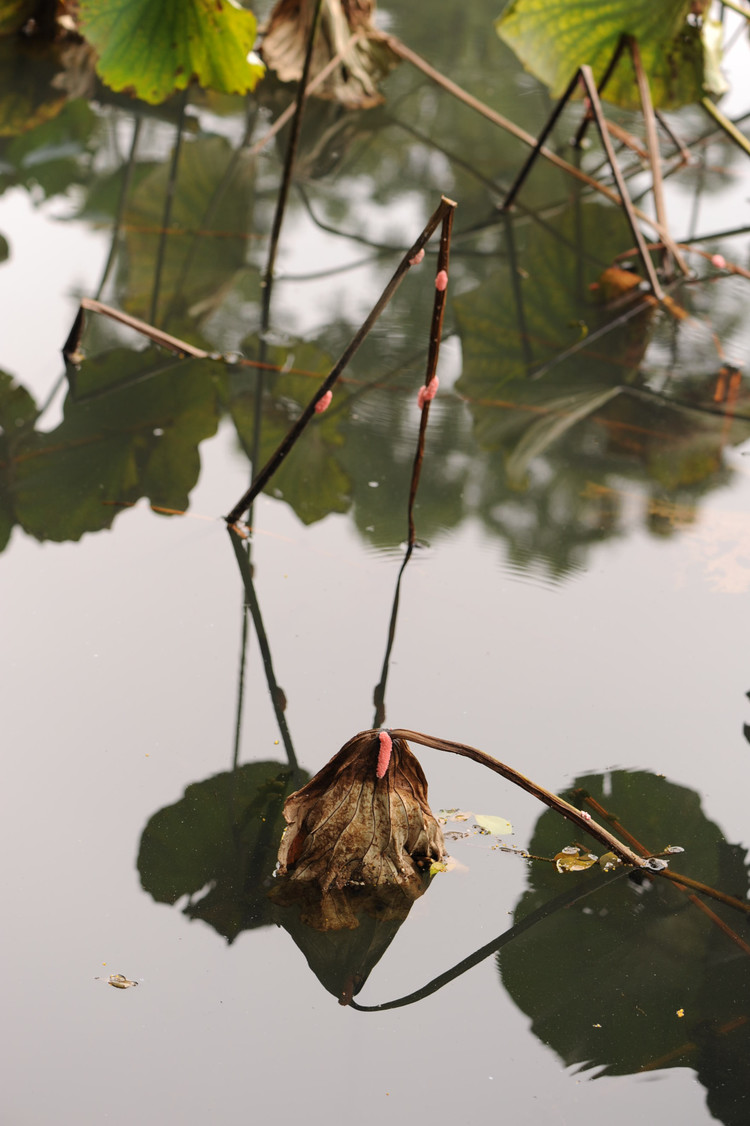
[[354, 81], [349, 828]]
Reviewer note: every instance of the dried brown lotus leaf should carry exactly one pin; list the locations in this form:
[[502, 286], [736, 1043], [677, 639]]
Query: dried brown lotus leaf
[[349, 828], [354, 82]]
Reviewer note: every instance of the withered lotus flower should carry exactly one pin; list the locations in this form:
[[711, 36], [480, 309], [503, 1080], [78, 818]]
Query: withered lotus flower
[[362, 821]]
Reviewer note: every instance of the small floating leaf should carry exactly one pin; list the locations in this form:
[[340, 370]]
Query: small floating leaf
[[498, 826], [119, 981], [438, 866], [609, 861], [674, 848], [571, 859]]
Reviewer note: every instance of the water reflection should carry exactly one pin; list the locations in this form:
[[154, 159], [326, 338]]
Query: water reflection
[[575, 395], [217, 845], [628, 977], [640, 978]]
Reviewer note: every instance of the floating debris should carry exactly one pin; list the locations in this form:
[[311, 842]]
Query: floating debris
[[573, 859], [118, 981], [485, 824]]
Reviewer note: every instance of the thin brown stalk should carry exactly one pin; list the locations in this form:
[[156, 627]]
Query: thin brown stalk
[[436, 332], [683, 882], [718, 922], [496, 118], [291, 153], [171, 343], [264, 475], [685, 157], [625, 138], [312, 86], [728, 126], [652, 141], [587, 78], [588, 117], [582, 821]]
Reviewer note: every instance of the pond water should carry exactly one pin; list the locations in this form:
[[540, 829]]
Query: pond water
[[574, 607]]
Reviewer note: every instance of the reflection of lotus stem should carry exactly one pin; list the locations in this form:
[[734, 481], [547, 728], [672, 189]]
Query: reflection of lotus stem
[[566, 900], [262, 478], [167, 213], [684, 882], [565, 809], [288, 163], [253, 606], [492, 115], [430, 379]]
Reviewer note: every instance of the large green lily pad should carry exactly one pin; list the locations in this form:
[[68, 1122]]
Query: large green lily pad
[[156, 47], [553, 38]]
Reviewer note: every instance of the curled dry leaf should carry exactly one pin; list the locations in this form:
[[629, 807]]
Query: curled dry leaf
[[349, 828], [119, 981], [354, 82]]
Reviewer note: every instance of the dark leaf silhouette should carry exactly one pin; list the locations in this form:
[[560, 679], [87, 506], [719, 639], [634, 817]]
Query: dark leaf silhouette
[[345, 933], [134, 432], [222, 836], [654, 982]]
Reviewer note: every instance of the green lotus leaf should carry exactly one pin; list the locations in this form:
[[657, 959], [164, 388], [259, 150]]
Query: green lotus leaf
[[155, 47], [552, 38]]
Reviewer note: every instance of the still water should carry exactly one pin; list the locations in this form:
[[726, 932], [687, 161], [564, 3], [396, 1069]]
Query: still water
[[575, 607]]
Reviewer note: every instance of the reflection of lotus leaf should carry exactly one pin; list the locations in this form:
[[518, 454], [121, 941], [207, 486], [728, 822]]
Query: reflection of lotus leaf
[[562, 444], [343, 933], [643, 951], [205, 245], [27, 96], [510, 329], [310, 479], [222, 835], [125, 443]]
